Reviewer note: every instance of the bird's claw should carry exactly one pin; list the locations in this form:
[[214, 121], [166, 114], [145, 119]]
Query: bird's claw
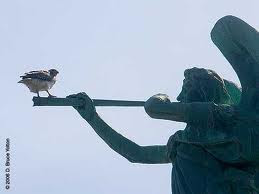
[[52, 96]]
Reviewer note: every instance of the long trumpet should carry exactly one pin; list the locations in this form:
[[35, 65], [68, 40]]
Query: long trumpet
[[46, 101]]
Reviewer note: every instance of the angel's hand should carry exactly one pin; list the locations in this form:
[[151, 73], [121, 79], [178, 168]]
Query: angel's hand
[[87, 110]]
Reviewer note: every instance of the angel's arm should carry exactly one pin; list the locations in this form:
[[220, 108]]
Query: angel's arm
[[120, 144], [135, 153]]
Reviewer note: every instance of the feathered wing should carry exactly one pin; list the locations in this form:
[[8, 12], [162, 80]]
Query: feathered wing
[[40, 75], [234, 91], [239, 43]]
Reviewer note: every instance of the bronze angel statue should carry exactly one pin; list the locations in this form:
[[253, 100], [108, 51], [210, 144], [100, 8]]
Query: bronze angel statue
[[218, 151]]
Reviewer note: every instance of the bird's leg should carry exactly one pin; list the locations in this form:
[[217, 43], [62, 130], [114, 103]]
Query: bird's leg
[[38, 94], [50, 96]]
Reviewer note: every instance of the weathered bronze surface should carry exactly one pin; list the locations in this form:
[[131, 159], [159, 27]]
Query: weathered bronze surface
[[218, 151]]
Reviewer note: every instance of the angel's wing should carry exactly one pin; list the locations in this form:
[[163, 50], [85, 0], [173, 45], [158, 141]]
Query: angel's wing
[[234, 91], [239, 43]]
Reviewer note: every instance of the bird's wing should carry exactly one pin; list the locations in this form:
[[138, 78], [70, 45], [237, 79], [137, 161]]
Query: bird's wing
[[37, 71], [40, 75]]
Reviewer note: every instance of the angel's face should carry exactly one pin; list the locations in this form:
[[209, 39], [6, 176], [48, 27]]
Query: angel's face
[[190, 92]]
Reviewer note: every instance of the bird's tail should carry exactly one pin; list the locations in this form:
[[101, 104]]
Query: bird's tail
[[21, 81]]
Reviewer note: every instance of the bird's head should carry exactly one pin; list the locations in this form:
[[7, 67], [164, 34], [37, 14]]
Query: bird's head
[[53, 72]]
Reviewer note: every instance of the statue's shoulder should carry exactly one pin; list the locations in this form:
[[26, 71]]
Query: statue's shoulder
[[225, 113]]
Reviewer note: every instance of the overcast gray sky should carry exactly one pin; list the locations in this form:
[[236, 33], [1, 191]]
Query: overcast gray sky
[[111, 49]]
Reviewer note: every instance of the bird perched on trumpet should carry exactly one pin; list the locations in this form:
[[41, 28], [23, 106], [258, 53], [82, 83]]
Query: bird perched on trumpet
[[40, 80]]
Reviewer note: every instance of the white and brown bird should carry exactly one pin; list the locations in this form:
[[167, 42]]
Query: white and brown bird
[[40, 80]]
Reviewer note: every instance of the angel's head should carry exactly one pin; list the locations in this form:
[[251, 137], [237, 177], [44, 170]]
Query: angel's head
[[203, 85]]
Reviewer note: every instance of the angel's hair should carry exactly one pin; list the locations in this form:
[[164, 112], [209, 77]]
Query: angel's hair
[[211, 86]]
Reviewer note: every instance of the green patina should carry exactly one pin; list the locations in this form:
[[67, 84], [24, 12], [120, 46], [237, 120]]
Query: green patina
[[218, 151]]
